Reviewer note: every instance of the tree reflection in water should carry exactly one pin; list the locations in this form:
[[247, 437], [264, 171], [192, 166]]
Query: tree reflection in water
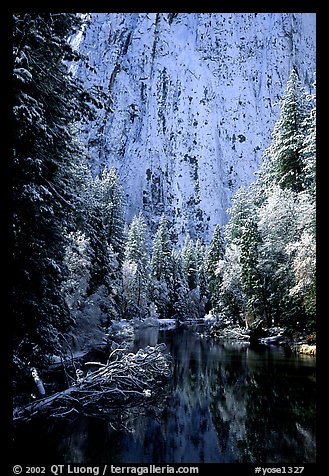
[[226, 403]]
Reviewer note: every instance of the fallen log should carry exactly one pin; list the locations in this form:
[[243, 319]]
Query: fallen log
[[230, 333], [124, 377]]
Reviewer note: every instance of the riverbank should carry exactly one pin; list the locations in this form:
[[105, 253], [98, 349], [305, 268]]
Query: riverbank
[[223, 404], [296, 341]]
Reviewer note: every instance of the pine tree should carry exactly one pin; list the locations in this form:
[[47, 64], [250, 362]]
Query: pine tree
[[78, 258], [136, 270], [268, 270], [286, 165], [215, 254], [100, 269], [242, 207], [113, 211], [201, 255], [78, 184], [303, 251], [231, 300], [179, 289], [46, 103], [277, 226], [189, 263], [250, 275], [161, 268], [308, 151], [285, 196], [162, 248], [103, 224]]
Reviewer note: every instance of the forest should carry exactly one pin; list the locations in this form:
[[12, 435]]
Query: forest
[[78, 266]]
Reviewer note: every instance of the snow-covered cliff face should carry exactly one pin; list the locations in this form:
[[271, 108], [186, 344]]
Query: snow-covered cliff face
[[195, 98]]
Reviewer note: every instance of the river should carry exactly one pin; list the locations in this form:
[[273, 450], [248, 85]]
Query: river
[[226, 403]]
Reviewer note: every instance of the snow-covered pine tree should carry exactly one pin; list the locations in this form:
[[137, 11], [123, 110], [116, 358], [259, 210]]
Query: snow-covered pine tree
[[201, 254], [179, 289], [277, 225], [285, 167], [78, 258], [251, 280], [215, 254], [161, 268], [112, 199], [78, 184], [242, 207], [46, 102], [189, 263], [308, 150], [303, 251], [136, 270], [101, 268], [194, 302], [285, 198], [268, 270], [232, 300], [104, 227], [161, 252]]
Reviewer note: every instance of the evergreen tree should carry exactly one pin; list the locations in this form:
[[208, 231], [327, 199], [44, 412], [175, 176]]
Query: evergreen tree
[[303, 251], [178, 288], [242, 208], [136, 270], [268, 270], [104, 225], [251, 280], [189, 263], [101, 266], [285, 195], [278, 226], [286, 163], [162, 249], [195, 302], [215, 254], [78, 258], [111, 197], [78, 183], [47, 101], [161, 268], [201, 254], [231, 300], [308, 151]]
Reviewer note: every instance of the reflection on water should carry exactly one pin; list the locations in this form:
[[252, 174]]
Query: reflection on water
[[225, 403]]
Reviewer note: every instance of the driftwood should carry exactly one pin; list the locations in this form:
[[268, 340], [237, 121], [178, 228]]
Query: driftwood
[[125, 378]]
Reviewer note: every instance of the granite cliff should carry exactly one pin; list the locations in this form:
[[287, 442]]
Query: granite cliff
[[194, 97]]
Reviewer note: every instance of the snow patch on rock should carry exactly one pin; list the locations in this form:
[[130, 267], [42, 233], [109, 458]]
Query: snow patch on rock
[[195, 98]]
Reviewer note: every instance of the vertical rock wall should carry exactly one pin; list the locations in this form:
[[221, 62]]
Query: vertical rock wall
[[194, 98]]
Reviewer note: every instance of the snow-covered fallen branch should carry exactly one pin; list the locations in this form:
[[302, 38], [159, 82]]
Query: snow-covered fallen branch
[[233, 333], [277, 339], [126, 378]]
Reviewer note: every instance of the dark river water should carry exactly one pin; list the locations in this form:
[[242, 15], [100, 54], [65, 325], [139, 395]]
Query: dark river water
[[226, 403]]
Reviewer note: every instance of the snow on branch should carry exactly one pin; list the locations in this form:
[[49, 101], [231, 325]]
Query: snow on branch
[[126, 379]]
